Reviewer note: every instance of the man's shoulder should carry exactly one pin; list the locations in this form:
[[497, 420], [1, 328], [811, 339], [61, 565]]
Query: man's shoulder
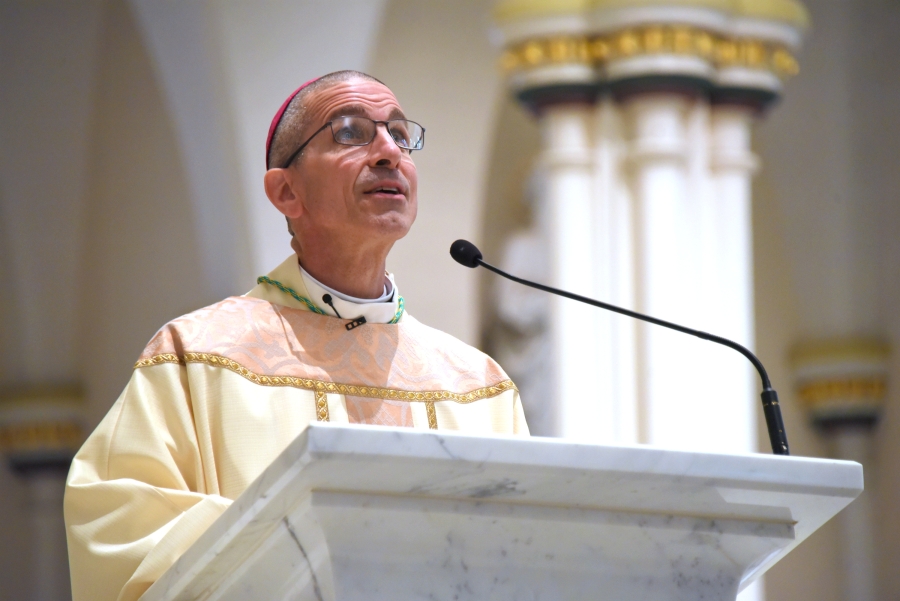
[[448, 345], [227, 321]]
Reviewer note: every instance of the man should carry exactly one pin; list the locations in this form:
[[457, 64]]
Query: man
[[220, 392]]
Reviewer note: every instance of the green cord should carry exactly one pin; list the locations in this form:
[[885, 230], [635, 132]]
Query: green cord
[[312, 307], [399, 310]]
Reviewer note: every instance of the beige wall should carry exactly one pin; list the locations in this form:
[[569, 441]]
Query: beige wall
[[43, 154], [812, 570], [826, 213], [141, 259], [136, 261]]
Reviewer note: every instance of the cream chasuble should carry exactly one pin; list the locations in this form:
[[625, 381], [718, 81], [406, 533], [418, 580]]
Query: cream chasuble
[[219, 393]]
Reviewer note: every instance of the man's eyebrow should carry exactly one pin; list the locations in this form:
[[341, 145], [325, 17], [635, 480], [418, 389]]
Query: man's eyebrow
[[358, 109], [345, 111], [397, 114]]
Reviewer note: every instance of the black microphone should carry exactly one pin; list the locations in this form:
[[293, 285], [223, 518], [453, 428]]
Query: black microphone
[[466, 253], [326, 298]]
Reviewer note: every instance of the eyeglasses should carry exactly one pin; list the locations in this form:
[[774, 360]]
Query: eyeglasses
[[360, 131]]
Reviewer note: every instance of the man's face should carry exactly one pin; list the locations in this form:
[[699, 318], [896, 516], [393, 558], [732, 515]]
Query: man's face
[[364, 194]]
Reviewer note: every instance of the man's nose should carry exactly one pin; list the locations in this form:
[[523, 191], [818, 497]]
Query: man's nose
[[385, 152]]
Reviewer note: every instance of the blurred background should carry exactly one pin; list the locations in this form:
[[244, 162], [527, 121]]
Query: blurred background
[[732, 164]]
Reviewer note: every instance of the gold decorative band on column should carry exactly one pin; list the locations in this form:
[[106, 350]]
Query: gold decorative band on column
[[842, 381], [321, 406], [432, 415], [40, 436], [41, 426], [555, 50], [849, 391], [720, 50]]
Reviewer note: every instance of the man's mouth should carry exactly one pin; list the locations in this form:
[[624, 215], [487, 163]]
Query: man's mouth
[[390, 190]]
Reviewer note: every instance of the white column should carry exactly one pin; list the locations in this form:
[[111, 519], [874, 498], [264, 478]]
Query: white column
[[691, 169], [730, 267], [663, 285], [733, 166], [731, 270], [616, 374], [567, 222]]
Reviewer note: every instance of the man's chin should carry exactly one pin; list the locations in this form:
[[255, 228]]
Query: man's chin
[[392, 224], [385, 204]]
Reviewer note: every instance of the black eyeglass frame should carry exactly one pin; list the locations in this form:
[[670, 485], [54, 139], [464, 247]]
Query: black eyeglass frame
[[387, 126]]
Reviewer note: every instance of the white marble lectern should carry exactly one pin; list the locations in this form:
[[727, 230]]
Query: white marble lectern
[[373, 513]]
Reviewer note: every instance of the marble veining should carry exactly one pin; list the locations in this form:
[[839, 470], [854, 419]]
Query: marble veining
[[317, 591], [350, 513]]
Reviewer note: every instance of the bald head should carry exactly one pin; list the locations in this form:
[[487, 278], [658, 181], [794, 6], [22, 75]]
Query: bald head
[[288, 133]]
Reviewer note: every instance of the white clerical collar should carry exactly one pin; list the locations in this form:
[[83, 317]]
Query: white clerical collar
[[375, 310], [385, 297]]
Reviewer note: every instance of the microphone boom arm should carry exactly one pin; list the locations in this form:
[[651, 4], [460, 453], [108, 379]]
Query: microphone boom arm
[[771, 408]]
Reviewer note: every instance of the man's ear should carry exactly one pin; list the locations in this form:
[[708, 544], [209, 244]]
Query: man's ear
[[280, 190]]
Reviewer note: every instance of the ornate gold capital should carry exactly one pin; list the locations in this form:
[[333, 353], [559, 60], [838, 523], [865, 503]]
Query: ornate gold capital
[[41, 424], [679, 40], [841, 379], [40, 436]]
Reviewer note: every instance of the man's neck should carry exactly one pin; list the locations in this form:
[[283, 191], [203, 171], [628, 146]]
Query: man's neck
[[360, 275]]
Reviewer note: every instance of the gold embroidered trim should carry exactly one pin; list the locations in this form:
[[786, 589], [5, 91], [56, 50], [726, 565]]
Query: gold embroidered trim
[[371, 392], [157, 359], [432, 415], [321, 406]]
